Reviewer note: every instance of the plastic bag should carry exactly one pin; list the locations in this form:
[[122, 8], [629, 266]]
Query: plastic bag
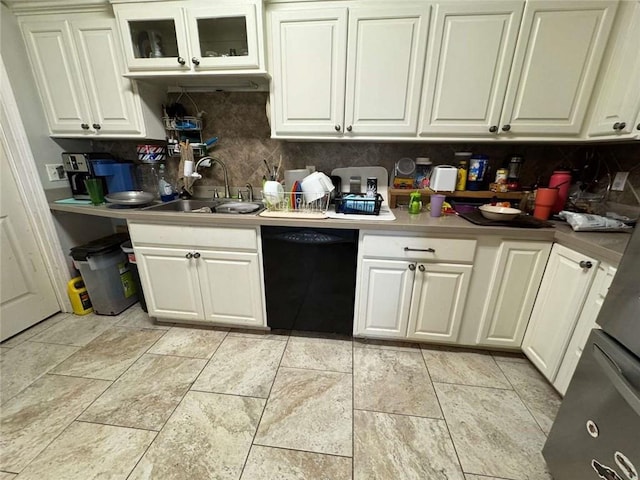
[[586, 222]]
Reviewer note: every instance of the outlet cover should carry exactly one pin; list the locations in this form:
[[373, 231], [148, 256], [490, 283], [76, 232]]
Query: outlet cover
[[619, 180], [55, 172]]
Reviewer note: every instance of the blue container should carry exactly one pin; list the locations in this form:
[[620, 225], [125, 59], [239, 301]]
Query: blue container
[[476, 177]]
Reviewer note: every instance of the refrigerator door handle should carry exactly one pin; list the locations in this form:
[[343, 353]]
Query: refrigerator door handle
[[614, 373]]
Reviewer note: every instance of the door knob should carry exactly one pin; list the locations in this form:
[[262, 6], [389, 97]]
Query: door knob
[[585, 264], [96, 126], [181, 61], [412, 267], [84, 126], [421, 268], [196, 61], [196, 255], [337, 127], [349, 128], [493, 128], [616, 126], [189, 255], [506, 128], [622, 126]]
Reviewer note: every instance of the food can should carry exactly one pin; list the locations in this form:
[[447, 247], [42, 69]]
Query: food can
[[372, 186], [501, 176]]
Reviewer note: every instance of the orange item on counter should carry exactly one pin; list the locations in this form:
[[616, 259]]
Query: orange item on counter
[[545, 200]]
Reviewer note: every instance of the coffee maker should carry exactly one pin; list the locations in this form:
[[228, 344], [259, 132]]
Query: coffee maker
[[115, 176]]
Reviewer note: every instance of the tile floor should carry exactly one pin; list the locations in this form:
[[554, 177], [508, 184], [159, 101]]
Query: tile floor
[[125, 398]]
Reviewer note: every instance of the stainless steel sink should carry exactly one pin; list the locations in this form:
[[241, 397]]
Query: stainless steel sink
[[207, 206]]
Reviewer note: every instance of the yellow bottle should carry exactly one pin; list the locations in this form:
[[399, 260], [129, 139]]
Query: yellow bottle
[[79, 297], [461, 184]]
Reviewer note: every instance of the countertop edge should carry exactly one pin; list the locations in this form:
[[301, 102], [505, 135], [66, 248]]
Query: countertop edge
[[607, 247]]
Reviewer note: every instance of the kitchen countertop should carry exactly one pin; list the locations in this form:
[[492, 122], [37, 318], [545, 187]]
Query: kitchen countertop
[[605, 246]]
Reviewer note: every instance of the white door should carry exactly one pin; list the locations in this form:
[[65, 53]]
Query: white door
[[114, 105], [57, 74], [384, 290], [170, 282], [513, 288], [223, 37], [231, 288], [562, 293], [26, 291], [438, 300], [560, 48], [308, 59], [618, 101], [468, 62], [154, 37], [385, 63], [586, 323]]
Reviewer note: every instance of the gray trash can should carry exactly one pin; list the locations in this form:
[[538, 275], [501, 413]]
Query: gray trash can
[[106, 273]]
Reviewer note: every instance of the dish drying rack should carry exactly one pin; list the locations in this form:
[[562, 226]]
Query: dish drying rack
[[294, 205]]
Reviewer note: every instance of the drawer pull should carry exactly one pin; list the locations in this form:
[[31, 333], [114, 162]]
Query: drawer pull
[[412, 267], [421, 268], [429, 250]]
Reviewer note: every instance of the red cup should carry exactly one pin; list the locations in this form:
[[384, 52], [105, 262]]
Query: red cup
[[545, 201], [561, 179]]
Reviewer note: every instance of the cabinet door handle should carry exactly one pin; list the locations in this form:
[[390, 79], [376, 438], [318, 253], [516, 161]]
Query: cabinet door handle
[[196, 61], [493, 128], [412, 267], [196, 255], [84, 126], [506, 128], [349, 128], [181, 61], [189, 255], [622, 126], [585, 264], [421, 268], [337, 127], [638, 127], [429, 250], [96, 126]]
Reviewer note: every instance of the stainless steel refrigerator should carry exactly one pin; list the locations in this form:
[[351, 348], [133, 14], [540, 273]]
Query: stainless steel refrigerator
[[596, 434]]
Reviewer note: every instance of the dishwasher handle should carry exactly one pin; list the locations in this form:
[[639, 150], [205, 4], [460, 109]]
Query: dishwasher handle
[[428, 250]]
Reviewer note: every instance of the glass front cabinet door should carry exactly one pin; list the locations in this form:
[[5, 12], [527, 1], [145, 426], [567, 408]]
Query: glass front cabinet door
[[189, 37]]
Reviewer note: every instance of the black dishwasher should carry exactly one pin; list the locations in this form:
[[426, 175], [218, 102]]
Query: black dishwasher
[[310, 278]]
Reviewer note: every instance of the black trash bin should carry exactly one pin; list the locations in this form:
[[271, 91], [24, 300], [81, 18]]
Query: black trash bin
[[128, 249]]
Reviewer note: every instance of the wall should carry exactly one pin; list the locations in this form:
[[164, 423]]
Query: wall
[[240, 122], [14, 55]]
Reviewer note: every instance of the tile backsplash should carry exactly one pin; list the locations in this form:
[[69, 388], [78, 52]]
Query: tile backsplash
[[239, 120]]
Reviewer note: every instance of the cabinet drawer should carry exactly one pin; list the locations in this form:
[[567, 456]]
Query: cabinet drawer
[[395, 246], [212, 237]]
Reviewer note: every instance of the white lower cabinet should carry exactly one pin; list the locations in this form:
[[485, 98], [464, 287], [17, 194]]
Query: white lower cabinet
[[205, 275], [565, 285], [512, 290], [586, 323], [412, 287], [438, 300]]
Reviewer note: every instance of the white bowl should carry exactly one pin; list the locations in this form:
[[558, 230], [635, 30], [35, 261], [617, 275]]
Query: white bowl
[[499, 213]]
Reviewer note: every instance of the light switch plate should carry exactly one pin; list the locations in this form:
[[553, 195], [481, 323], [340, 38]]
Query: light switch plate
[[619, 180], [55, 172]]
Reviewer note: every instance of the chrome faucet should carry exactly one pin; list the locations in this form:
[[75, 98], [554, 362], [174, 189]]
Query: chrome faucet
[[227, 192], [250, 191]]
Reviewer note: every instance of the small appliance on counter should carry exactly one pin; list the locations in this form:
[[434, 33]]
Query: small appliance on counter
[[443, 178], [404, 173], [116, 176]]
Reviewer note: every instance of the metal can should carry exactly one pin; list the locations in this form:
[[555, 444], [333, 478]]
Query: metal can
[[372, 186], [501, 176]]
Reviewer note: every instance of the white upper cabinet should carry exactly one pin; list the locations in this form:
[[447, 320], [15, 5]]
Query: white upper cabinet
[[618, 97], [558, 55], [342, 73], [78, 68], [191, 36], [50, 48], [385, 62], [470, 52], [308, 61]]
